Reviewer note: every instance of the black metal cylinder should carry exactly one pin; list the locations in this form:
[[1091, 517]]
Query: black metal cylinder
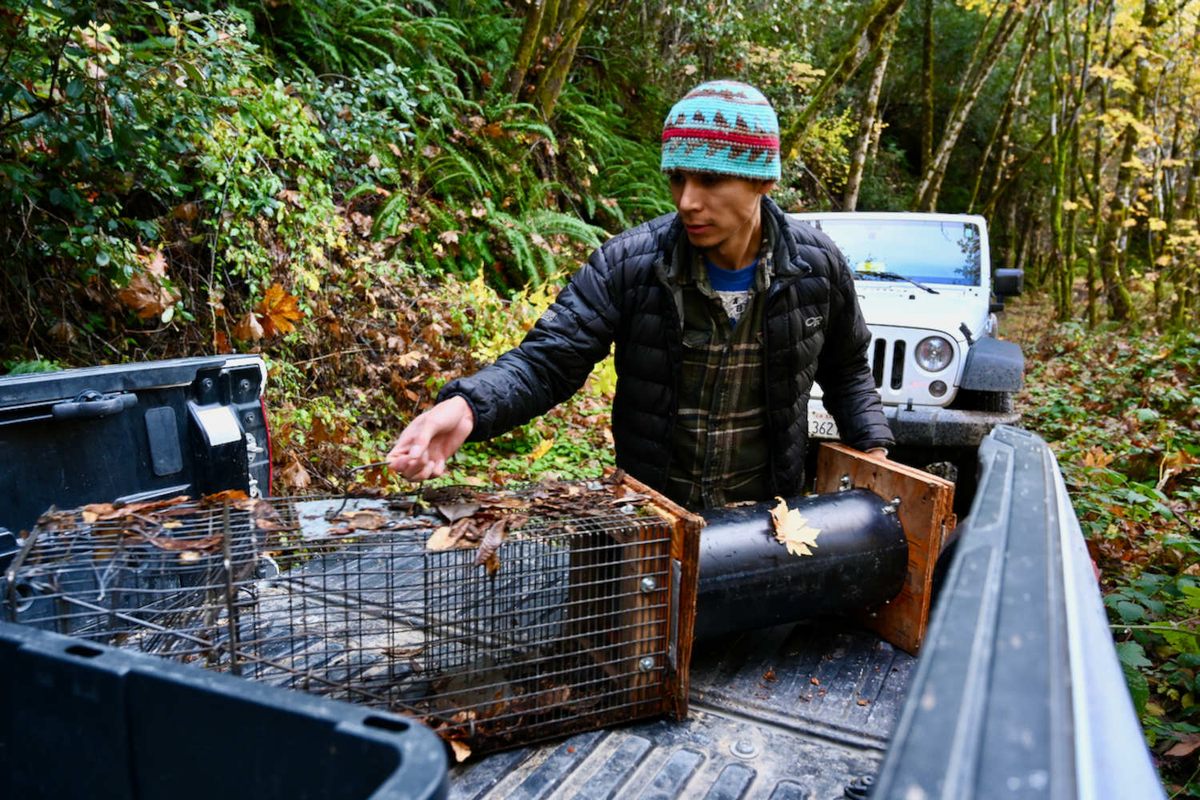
[[749, 580]]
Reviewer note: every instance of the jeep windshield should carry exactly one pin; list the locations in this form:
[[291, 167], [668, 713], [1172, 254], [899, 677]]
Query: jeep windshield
[[917, 251]]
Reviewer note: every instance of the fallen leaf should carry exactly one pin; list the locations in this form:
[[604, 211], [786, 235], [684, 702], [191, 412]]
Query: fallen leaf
[[862, 701], [366, 520], [228, 495], [456, 511], [442, 539], [292, 196], [207, 543], [541, 449], [792, 529], [1185, 746], [493, 537], [278, 311], [249, 329], [295, 476], [461, 751], [145, 294]]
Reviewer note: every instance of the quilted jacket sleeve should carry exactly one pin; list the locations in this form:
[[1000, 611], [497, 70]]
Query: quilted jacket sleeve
[[843, 371], [553, 360]]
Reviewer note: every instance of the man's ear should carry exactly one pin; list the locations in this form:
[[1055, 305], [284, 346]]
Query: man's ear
[[766, 186]]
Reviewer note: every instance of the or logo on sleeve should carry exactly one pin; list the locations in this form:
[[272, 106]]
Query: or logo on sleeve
[[813, 322]]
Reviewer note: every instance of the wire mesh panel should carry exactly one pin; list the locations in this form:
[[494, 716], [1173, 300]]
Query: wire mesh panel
[[497, 618]]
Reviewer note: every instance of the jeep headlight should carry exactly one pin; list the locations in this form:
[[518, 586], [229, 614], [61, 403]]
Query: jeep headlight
[[934, 353]]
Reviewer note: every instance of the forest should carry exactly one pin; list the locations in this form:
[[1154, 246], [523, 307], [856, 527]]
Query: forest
[[379, 196]]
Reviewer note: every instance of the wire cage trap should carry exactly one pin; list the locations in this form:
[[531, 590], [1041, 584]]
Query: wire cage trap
[[498, 618]]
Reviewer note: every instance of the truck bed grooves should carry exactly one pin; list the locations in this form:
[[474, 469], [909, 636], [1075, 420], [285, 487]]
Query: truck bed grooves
[[572, 623]]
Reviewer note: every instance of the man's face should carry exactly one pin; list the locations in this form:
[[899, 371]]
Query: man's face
[[715, 209]]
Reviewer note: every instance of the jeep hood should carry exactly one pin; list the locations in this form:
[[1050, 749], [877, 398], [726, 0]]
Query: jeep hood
[[905, 306]]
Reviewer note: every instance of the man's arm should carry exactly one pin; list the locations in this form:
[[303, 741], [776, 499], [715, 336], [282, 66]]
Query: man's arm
[[551, 363]]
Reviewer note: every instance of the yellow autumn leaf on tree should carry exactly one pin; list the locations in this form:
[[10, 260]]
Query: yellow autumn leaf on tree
[[278, 311], [792, 529]]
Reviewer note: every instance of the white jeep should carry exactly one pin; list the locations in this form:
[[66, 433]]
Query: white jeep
[[925, 285]]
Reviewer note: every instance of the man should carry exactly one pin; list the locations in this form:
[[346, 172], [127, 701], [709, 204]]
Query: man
[[723, 314]]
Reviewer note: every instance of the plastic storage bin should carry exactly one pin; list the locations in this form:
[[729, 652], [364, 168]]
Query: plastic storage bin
[[79, 719]]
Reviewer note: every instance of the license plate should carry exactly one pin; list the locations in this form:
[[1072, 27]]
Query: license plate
[[821, 424]]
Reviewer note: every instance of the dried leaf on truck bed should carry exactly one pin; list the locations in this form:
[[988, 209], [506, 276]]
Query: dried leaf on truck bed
[[365, 520], [792, 529]]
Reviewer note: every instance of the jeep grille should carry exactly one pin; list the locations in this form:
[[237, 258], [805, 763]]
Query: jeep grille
[[889, 362]]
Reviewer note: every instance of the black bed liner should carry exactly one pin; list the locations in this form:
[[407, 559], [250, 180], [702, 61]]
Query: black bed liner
[[797, 711]]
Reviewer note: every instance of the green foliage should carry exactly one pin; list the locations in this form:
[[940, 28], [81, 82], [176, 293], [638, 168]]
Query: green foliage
[[29, 367], [1120, 413]]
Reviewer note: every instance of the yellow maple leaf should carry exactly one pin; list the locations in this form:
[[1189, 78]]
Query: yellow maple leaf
[[792, 529]]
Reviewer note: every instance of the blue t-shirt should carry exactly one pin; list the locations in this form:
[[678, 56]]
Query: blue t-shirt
[[733, 287]]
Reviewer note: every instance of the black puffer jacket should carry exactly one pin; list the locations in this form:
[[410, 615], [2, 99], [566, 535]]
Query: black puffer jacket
[[625, 293]]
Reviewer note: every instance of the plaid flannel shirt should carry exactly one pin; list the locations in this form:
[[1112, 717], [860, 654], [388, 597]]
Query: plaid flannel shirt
[[719, 444]]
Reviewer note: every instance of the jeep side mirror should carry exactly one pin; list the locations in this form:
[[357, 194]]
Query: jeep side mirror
[[995, 307], [1008, 282]]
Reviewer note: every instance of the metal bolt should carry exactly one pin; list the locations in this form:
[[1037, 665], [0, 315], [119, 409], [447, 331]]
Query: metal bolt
[[744, 748], [646, 664], [892, 507], [845, 485], [648, 585], [244, 385], [860, 787], [206, 384]]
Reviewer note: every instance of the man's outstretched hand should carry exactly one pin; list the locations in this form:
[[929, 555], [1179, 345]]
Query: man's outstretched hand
[[430, 439]]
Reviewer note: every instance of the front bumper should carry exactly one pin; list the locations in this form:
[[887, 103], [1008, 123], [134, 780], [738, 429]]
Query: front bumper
[[944, 427], [923, 426]]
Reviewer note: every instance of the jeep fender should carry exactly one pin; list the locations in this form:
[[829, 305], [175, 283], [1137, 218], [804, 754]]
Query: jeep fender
[[993, 366]]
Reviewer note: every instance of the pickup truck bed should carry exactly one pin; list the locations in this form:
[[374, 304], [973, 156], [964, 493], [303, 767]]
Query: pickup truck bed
[[1017, 691], [796, 711]]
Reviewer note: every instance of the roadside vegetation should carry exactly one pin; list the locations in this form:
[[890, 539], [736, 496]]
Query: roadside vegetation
[[380, 195]]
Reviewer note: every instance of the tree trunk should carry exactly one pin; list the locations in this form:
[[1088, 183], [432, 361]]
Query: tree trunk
[[1078, 96], [1112, 249], [526, 47], [930, 184], [927, 88], [1001, 134], [863, 42], [869, 120], [573, 16]]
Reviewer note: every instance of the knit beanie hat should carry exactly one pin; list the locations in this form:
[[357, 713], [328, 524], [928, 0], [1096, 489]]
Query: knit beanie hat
[[725, 127]]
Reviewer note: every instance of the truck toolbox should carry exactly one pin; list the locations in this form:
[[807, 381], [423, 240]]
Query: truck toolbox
[[131, 432]]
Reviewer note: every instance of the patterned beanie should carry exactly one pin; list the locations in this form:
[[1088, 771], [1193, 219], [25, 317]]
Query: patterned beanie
[[725, 127]]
